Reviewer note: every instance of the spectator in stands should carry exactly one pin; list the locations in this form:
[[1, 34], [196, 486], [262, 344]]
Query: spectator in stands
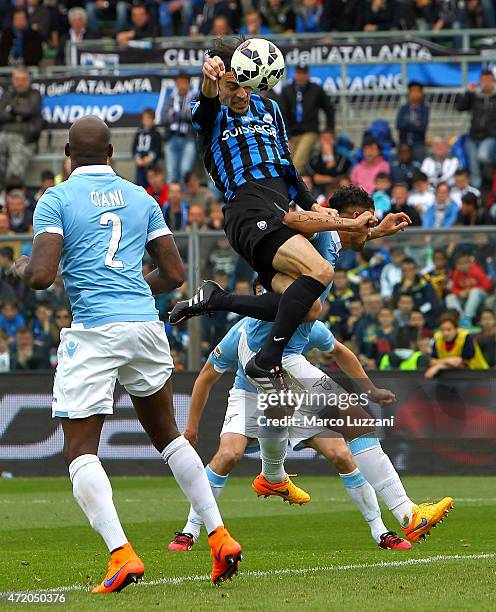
[[368, 327], [386, 336], [391, 273], [4, 352], [422, 196], [468, 214], [105, 10], [47, 180], [157, 187], [147, 146], [462, 186], [404, 307], [399, 203], [197, 216], [406, 354], [20, 125], [25, 354], [404, 168], [412, 120], [11, 319], [42, 323], [61, 320], [444, 212], [469, 287], [20, 217], [180, 147], [41, 20], [215, 217], [364, 173], [141, 26], [412, 283], [78, 32], [19, 44], [437, 273], [220, 26], [300, 103], [417, 320], [341, 15], [327, 165], [337, 306], [382, 194], [377, 15], [254, 25], [278, 15], [216, 8], [196, 193], [440, 168], [481, 143], [309, 17], [454, 348], [175, 210], [348, 329], [486, 338]]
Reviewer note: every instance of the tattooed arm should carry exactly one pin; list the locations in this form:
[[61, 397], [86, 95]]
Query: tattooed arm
[[307, 222], [169, 273]]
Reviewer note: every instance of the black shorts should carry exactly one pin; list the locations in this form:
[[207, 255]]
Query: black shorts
[[254, 224]]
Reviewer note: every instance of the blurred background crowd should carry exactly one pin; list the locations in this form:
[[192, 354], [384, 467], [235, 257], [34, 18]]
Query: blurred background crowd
[[425, 304], [37, 29]]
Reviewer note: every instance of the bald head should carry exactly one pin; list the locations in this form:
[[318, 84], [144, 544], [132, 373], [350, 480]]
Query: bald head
[[89, 142]]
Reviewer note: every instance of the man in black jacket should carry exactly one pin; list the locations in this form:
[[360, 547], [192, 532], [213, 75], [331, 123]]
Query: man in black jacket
[[300, 103], [19, 44], [481, 144], [20, 125]]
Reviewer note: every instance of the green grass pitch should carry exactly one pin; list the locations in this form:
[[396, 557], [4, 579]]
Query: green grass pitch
[[315, 557]]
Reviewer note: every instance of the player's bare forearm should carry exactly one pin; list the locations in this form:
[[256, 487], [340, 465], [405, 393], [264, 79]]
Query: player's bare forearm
[[213, 70], [210, 88], [39, 270], [310, 222], [169, 274], [199, 397]]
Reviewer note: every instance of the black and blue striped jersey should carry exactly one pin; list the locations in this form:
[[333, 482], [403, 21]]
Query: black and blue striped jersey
[[240, 148]]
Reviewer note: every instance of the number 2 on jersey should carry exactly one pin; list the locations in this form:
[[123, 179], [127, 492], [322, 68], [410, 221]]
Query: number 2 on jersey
[[115, 239]]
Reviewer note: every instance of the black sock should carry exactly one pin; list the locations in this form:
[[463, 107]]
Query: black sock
[[296, 301], [263, 307]]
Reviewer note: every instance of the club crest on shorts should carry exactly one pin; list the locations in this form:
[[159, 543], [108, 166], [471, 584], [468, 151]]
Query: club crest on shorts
[[71, 348], [262, 225]]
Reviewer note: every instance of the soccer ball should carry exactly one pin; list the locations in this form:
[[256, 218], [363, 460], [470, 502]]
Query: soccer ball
[[257, 63]]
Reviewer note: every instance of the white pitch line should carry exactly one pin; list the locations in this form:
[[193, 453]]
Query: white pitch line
[[290, 571]]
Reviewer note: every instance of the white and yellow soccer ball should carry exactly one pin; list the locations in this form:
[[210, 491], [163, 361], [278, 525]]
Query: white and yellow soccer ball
[[258, 63]]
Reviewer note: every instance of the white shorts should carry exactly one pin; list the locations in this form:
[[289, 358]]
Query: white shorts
[[91, 360], [307, 378], [241, 416]]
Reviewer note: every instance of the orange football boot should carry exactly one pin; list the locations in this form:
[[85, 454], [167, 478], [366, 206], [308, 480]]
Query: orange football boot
[[285, 489], [226, 553], [426, 516], [124, 568]]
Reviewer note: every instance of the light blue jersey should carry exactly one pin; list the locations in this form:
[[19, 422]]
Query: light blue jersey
[[225, 354], [106, 222], [329, 246]]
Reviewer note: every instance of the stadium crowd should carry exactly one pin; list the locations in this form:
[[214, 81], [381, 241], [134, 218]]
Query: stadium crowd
[[33, 30], [428, 304]]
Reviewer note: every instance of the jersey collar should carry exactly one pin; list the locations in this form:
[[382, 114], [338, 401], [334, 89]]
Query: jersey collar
[[96, 169]]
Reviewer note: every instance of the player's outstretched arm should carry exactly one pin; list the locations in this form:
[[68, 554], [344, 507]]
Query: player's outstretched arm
[[391, 224], [348, 362], [213, 70], [199, 397], [169, 273], [39, 270], [308, 222]]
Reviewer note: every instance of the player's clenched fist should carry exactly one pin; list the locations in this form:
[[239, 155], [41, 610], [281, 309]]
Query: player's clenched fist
[[214, 68]]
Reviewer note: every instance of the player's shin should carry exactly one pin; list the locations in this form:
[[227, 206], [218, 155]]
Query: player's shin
[[93, 492], [217, 483], [365, 498], [188, 470], [378, 470]]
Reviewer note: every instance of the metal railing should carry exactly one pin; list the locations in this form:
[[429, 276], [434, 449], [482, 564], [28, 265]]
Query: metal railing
[[195, 246]]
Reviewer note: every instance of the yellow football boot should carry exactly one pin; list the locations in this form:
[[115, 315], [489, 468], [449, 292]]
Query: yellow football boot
[[426, 516], [285, 489]]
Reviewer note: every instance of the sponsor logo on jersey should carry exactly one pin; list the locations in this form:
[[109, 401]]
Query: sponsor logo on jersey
[[267, 118], [262, 225], [270, 130]]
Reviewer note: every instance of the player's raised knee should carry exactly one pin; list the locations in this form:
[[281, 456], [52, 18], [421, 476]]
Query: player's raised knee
[[325, 273]]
